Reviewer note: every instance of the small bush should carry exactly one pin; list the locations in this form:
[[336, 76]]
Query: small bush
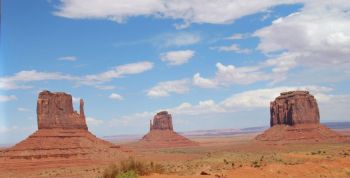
[[111, 171], [130, 166], [127, 174], [255, 164], [347, 173]]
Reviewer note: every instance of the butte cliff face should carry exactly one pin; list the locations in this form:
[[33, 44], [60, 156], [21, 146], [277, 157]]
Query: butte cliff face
[[294, 107], [55, 110], [294, 116], [162, 121], [62, 133], [162, 134]]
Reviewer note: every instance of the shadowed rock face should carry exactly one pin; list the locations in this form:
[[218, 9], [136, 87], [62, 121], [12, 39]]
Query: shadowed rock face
[[162, 121], [55, 110], [294, 107]]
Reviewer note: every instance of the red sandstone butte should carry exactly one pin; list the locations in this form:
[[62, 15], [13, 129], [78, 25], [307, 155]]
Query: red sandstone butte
[[161, 134], [294, 107], [162, 121], [295, 117], [62, 133], [55, 110]]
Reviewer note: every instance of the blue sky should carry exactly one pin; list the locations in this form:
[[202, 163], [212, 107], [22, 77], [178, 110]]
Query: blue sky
[[211, 64]]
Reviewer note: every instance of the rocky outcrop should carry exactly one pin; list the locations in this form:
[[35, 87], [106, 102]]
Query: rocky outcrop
[[294, 107], [62, 133], [162, 134], [162, 121], [55, 110], [295, 117]]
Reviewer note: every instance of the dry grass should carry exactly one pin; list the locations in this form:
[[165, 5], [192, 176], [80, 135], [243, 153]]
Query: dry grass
[[131, 165]]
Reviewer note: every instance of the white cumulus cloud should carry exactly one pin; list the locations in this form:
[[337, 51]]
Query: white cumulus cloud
[[190, 11], [177, 57], [272, 70], [318, 33], [117, 72], [165, 88], [21, 79], [116, 96]]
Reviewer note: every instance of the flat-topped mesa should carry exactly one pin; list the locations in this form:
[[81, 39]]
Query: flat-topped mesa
[[55, 110], [162, 121], [294, 107]]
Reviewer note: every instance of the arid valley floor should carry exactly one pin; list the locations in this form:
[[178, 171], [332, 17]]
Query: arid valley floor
[[174, 89], [219, 156]]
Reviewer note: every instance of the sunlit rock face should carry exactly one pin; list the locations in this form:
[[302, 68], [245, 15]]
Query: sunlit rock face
[[55, 110], [294, 107]]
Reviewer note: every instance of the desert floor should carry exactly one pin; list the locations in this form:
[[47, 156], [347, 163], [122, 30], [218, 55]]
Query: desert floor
[[234, 156]]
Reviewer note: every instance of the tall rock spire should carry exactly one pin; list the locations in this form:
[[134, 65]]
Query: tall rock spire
[[81, 112]]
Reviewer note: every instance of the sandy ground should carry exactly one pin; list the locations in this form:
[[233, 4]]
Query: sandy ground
[[221, 157]]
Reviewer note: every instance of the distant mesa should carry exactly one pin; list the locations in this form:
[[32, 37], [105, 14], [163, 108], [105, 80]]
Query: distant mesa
[[294, 116], [162, 134], [62, 133]]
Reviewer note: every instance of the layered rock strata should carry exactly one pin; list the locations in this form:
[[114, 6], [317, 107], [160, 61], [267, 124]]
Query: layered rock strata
[[294, 107], [55, 110]]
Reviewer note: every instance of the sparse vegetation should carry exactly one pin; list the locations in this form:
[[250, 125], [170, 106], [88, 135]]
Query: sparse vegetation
[[130, 168], [255, 164], [319, 152], [127, 174], [347, 172]]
